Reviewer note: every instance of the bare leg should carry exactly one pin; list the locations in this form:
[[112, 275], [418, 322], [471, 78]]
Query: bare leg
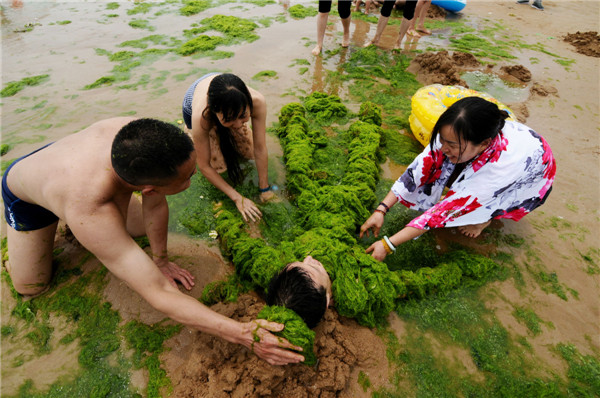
[[420, 15], [30, 259], [368, 6], [357, 6], [403, 28], [473, 231], [346, 26], [381, 24], [321, 25]]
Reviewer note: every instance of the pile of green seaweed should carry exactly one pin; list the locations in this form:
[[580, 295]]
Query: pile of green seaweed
[[332, 193]]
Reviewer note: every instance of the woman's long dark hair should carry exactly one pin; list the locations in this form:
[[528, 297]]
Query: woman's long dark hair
[[227, 94], [473, 119]]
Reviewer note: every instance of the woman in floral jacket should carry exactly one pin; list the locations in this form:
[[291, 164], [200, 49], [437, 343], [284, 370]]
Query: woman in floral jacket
[[493, 168]]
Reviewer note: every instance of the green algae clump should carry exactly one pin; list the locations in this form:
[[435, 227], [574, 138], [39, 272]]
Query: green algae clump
[[325, 108], [264, 75], [14, 87], [295, 331], [298, 11], [194, 7], [199, 44]]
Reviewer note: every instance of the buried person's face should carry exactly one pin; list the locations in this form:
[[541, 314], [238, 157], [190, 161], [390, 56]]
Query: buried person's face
[[317, 273]]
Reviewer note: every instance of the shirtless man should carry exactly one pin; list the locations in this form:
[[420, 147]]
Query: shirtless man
[[87, 180]]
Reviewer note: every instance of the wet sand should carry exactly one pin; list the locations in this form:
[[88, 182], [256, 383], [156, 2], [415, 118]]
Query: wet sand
[[568, 119]]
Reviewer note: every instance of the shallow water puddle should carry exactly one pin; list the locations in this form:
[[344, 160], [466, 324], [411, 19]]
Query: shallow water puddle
[[496, 87]]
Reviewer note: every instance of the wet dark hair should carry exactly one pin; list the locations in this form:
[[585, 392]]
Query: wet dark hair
[[228, 94], [473, 119], [293, 288], [149, 151]]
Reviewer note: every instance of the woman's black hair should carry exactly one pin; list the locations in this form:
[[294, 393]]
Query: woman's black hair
[[228, 95], [473, 119]]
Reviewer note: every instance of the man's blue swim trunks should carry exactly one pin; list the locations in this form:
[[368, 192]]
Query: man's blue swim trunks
[[186, 107], [21, 215]]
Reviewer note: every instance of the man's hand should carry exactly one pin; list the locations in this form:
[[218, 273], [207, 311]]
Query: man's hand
[[275, 350], [378, 250], [373, 224], [248, 209], [175, 273]]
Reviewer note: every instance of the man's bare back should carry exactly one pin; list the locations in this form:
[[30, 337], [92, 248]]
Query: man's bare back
[[87, 179]]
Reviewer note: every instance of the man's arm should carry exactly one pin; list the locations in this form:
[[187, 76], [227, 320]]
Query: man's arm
[[155, 211], [102, 231]]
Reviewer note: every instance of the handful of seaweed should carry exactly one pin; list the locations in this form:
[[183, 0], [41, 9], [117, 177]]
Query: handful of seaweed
[[295, 331]]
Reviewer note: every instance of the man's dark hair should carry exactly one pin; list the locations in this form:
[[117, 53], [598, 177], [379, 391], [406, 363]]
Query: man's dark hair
[[293, 288], [149, 151]]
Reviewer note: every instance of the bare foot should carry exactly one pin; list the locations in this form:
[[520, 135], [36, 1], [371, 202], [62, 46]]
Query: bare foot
[[346, 40], [371, 42], [412, 32], [424, 30], [473, 230], [317, 50]]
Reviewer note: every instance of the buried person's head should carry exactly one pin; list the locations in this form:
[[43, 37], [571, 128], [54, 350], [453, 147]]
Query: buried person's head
[[304, 287]]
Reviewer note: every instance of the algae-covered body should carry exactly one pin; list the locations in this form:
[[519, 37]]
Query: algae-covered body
[[331, 202]]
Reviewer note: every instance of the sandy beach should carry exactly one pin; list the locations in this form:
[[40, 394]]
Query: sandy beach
[[542, 318]]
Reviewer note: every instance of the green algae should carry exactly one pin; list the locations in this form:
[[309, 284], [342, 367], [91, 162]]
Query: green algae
[[235, 29], [265, 75], [364, 381], [295, 331], [259, 3], [460, 318], [140, 8], [201, 43], [583, 372], [194, 7], [224, 291], [77, 298], [147, 343], [330, 209], [4, 149], [400, 148], [299, 11], [141, 24], [481, 47], [529, 318], [143, 42], [113, 5], [14, 87]]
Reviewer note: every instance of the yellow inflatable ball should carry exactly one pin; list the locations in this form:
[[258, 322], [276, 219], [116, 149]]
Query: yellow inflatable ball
[[429, 102]]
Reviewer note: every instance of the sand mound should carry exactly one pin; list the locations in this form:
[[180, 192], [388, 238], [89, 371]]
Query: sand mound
[[518, 71], [441, 67], [207, 366], [587, 43]]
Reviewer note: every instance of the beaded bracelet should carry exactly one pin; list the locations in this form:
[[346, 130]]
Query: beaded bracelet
[[381, 211], [263, 190], [388, 250], [384, 205]]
